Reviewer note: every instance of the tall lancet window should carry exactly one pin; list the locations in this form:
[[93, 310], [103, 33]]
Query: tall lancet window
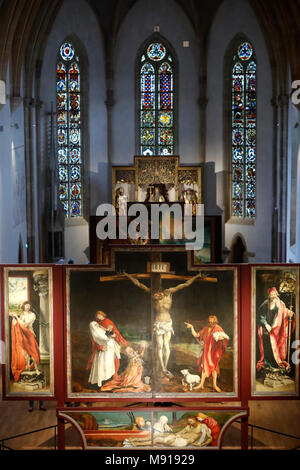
[[243, 137], [156, 100], [69, 159]]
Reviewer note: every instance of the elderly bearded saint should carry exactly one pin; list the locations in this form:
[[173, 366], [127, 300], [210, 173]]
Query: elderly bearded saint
[[106, 345], [273, 318], [214, 341]]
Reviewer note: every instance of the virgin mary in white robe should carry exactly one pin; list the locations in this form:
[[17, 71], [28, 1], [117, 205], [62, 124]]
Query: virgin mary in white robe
[[103, 366]]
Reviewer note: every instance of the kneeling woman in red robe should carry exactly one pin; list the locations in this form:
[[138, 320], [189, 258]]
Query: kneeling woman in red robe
[[214, 341], [25, 350], [130, 380]]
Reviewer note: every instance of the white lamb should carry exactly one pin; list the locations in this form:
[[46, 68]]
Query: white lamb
[[189, 379]]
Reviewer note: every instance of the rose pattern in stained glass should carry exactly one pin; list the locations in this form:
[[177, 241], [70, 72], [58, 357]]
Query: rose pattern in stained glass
[[243, 132], [69, 131], [67, 51], [156, 51], [245, 51], [166, 119]]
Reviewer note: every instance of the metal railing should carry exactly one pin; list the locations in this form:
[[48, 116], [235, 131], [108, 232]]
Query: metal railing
[[254, 426], [4, 447]]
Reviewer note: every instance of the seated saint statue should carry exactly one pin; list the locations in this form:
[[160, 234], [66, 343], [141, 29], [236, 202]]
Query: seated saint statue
[[157, 196]]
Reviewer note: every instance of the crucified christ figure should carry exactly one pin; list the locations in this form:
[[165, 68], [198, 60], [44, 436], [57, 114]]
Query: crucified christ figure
[[162, 326]]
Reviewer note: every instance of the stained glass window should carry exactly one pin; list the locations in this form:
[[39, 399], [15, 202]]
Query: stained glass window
[[156, 99], [69, 130], [243, 140]]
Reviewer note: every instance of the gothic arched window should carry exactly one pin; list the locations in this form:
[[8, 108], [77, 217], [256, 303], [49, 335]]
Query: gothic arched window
[[243, 132], [69, 161], [156, 99]]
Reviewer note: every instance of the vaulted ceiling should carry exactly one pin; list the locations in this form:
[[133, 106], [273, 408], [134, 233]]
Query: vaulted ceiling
[[26, 24]]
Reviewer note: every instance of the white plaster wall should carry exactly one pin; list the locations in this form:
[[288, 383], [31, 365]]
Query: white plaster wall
[[77, 18], [233, 17], [12, 182], [136, 28]]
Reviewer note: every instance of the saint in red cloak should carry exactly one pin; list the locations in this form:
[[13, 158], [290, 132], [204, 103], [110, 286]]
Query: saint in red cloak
[[23, 341], [215, 344]]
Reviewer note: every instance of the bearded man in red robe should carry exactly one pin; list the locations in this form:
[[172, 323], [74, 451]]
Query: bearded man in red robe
[[213, 341], [273, 320]]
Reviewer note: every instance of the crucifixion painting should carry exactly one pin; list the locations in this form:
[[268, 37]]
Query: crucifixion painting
[[163, 325], [147, 332]]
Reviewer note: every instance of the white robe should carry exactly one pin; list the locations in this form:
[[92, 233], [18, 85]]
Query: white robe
[[103, 366]]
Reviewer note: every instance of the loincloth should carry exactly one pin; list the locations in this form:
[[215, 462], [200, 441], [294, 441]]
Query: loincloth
[[163, 327]]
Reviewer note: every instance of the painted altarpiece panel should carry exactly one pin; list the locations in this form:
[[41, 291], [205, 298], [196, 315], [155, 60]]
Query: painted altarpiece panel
[[163, 325], [28, 324], [139, 428], [275, 330]]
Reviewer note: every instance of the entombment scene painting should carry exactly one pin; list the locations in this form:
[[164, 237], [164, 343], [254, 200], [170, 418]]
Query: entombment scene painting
[[161, 429], [275, 311], [28, 331]]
